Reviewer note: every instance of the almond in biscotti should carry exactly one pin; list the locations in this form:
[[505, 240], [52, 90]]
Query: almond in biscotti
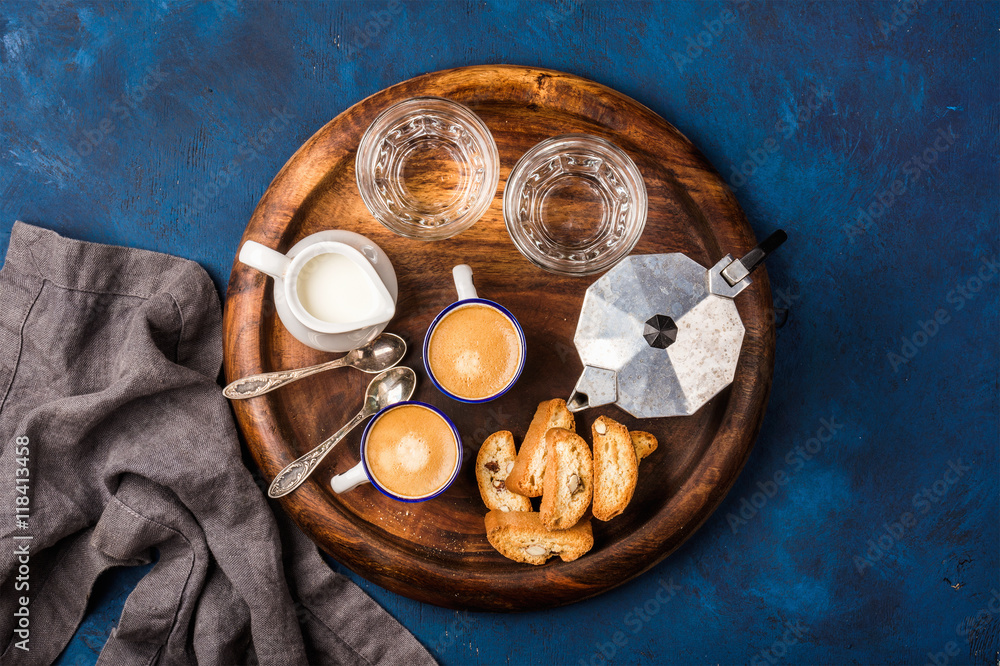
[[616, 468], [493, 465], [520, 536], [569, 475], [527, 476]]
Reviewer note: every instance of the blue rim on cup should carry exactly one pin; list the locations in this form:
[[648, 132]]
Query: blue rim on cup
[[386, 491], [458, 304]]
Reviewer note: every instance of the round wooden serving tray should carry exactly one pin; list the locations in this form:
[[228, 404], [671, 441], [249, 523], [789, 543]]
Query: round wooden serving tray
[[437, 551]]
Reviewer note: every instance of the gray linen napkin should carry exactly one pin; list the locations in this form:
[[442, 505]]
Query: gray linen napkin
[[108, 398]]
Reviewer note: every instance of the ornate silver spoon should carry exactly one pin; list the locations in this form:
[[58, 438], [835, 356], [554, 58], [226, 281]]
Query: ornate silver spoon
[[390, 387], [380, 354]]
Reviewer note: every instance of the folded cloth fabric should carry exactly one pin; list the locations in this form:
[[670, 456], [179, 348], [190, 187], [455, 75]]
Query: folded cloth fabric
[[108, 400]]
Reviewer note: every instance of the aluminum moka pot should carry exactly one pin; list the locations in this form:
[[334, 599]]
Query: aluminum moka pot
[[660, 335]]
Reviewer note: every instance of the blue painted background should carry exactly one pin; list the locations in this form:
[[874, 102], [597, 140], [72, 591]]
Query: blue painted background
[[848, 538]]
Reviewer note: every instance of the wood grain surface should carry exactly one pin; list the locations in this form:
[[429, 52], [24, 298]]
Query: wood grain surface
[[437, 551]]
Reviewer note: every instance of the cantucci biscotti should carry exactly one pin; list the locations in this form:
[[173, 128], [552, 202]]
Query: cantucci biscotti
[[493, 465], [520, 536]]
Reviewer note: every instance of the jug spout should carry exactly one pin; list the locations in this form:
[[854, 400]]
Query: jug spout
[[595, 387]]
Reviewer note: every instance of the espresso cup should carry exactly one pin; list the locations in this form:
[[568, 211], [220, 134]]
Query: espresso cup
[[410, 452], [474, 349]]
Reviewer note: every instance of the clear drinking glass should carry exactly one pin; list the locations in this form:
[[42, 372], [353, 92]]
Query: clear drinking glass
[[427, 168], [575, 204]]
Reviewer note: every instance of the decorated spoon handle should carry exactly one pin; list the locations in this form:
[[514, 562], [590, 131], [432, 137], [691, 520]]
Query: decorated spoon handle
[[255, 385], [292, 476]]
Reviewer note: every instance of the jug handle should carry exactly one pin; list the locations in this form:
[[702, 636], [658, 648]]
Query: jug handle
[[264, 259]]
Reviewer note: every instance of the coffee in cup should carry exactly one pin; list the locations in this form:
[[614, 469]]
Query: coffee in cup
[[474, 352], [410, 451], [474, 349]]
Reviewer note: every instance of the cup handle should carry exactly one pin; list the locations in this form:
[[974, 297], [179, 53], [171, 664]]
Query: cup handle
[[350, 479], [463, 282], [264, 259]]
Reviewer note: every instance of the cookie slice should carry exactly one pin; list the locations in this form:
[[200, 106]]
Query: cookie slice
[[616, 468], [643, 443], [569, 479], [527, 476], [520, 536], [493, 464]]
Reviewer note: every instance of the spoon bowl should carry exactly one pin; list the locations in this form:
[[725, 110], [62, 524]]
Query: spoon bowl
[[387, 388], [380, 354], [392, 386]]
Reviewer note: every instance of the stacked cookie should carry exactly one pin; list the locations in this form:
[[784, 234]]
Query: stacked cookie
[[556, 464]]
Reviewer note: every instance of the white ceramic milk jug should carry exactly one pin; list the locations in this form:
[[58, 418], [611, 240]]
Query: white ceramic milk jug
[[334, 290]]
